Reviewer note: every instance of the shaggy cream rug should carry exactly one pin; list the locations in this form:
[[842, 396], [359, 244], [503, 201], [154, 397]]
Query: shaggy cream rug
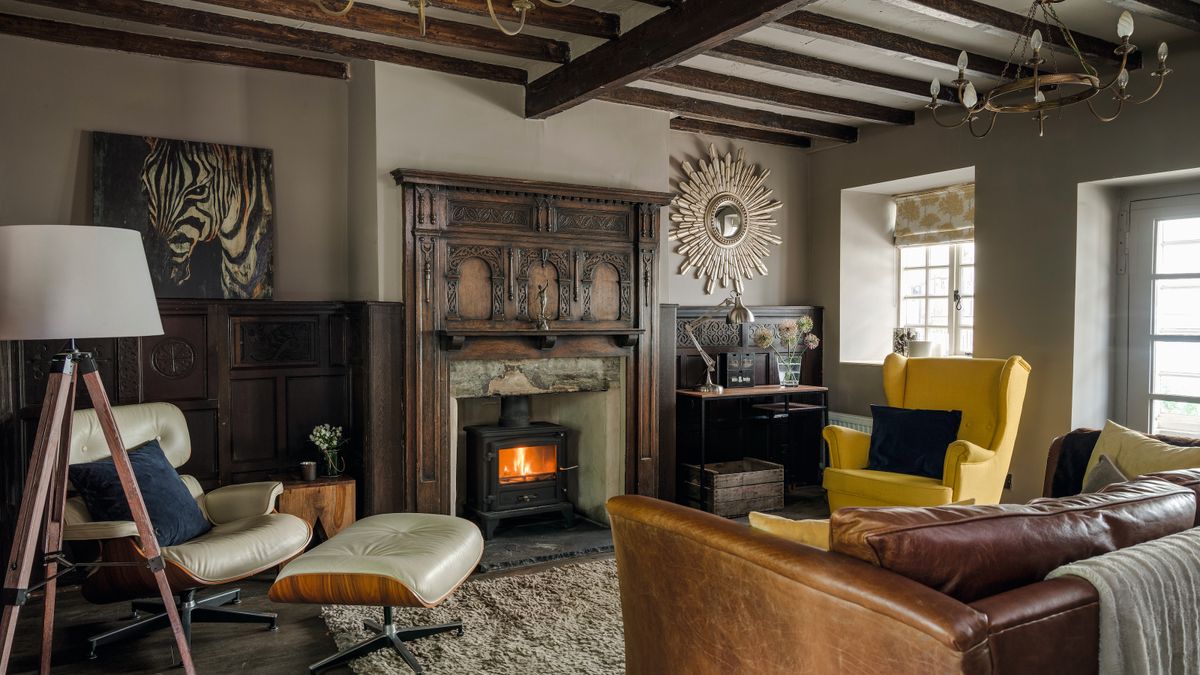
[[565, 620]]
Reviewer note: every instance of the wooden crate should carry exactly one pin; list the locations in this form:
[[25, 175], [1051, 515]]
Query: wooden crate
[[733, 489]]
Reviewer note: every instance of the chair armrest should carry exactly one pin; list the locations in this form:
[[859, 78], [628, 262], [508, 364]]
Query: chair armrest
[[848, 449], [99, 529], [234, 502], [967, 469]]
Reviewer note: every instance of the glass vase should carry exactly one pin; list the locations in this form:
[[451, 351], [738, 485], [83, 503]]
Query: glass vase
[[789, 369], [334, 465]]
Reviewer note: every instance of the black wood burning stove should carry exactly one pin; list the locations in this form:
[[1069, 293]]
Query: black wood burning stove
[[517, 468]]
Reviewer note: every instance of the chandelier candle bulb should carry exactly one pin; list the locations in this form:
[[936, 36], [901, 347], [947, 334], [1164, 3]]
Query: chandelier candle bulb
[[935, 87], [1162, 53], [969, 96], [962, 63], [1123, 79], [1035, 41], [1125, 25]]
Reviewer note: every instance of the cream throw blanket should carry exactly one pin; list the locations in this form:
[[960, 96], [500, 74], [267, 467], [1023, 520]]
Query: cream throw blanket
[[1149, 605]]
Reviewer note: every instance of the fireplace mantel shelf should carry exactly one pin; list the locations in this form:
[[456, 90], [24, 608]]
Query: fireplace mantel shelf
[[455, 339]]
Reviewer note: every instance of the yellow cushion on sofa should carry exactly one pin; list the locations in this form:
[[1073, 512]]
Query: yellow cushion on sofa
[[1135, 453], [813, 533]]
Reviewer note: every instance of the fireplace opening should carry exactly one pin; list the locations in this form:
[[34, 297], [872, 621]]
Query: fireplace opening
[[517, 468]]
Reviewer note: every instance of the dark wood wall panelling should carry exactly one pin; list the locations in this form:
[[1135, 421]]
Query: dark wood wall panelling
[[252, 379], [476, 251], [682, 367]]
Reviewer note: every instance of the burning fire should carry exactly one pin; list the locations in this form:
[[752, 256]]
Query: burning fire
[[527, 464]]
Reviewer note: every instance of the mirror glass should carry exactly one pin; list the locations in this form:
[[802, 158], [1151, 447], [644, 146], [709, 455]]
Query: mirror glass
[[727, 220]]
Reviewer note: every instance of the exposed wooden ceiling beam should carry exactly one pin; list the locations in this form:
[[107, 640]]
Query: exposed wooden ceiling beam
[[893, 44], [1184, 13], [170, 16], [763, 92], [570, 19], [978, 16], [740, 133], [398, 24], [102, 38], [801, 64], [659, 42], [712, 111]]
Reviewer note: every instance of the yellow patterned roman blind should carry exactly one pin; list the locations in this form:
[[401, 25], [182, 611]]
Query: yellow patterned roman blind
[[940, 216]]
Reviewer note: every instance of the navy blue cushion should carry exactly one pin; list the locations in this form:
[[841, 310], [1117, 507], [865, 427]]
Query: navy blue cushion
[[911, 441], [174, 513]]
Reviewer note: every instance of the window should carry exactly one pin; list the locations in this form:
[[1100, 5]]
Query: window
[[937, 294], [1164, 314]]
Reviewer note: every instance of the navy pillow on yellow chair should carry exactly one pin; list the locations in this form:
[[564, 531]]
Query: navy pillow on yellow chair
[[173, 511], [911, 441]]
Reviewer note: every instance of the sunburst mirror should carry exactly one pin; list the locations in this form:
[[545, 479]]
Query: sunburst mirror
[[722, 219]]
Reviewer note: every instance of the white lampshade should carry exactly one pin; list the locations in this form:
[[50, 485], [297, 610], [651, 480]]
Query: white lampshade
[[67, 281]]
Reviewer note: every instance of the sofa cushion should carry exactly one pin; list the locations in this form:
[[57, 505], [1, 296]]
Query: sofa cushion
[[1136, 453], [174, 514], [1189, 478], [971, 552], [911, 441], [1104, 474]]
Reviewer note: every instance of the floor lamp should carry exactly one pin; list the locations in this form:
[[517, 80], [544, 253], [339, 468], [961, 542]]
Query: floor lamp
[[62, 282]]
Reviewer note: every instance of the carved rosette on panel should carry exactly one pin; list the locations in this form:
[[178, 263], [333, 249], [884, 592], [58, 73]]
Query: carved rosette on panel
[[711, 334], [489, 254], [587, 278], [561, 261], [172, 358]]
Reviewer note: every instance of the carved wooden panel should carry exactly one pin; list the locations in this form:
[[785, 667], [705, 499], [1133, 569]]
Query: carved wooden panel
[[489, 215], [176, 363], [251, 403], [605, 283], [270, 342], [593, 222], [544, 266], [466, 281]]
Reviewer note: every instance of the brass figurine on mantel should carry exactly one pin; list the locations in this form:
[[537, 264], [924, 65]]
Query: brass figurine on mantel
[[722, 219], [541, 323]]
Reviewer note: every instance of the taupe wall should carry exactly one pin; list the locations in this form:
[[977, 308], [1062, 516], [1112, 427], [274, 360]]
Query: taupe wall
[[51, 95], [1026, 233]]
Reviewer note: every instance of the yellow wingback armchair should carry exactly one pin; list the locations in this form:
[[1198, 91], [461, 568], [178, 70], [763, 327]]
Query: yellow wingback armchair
[[990, 394]]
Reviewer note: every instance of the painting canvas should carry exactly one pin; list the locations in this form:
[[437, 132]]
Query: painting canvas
[[205, 211]]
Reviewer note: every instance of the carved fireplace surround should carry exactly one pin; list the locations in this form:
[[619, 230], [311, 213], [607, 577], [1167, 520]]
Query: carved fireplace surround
[[476, 252]]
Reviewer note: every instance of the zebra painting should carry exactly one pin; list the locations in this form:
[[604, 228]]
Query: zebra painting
[[205, 211]]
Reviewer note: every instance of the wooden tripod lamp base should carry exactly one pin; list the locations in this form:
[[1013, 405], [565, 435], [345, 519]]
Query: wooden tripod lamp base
[[60, 282]]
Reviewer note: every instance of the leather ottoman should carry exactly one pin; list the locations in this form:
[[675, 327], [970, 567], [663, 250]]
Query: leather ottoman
[[389, 560]]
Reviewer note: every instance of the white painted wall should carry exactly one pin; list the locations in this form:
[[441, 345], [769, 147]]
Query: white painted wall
[[1026, 234], [52, 95]]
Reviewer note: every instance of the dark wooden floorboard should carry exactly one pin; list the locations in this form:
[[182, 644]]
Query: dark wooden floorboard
[[216, 648]]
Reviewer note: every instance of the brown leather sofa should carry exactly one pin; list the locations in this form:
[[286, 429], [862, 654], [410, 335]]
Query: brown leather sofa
[[902, 590], [1069, 455]]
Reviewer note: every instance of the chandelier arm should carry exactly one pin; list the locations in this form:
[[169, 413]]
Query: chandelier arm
[[1102, 118], [496, 20], [933, 113], [332, 12], [1161, 79], [1117, 74], [971, 125]]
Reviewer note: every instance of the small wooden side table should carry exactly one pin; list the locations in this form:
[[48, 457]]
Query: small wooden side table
[[326, 504]]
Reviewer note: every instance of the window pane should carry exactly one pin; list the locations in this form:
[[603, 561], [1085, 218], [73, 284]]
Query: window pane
[[938, 312], [912, 283], [1177, 307], [966, 254], [1175, 418], [1177, 368], [940, 254], [966, 280], [966, 315], [913, 313], [1178, 246], [912, 256], [939, 281], [966, 341], [920, 332], [940, 337]]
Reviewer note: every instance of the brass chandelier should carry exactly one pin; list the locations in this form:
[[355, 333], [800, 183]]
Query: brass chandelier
[[521, 7], [1034, 88]]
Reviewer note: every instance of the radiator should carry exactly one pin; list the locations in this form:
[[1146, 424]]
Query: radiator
[[856, 422]]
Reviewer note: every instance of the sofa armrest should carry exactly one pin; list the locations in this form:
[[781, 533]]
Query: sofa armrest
[[969, 470], [234, 502], [848, 449], [1049, 627], [701, 594]]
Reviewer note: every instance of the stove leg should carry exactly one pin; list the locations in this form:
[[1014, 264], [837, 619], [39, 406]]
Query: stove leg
[[568, 513]]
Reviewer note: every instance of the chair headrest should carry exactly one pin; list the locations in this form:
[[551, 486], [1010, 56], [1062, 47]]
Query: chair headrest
[[138, 424]]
